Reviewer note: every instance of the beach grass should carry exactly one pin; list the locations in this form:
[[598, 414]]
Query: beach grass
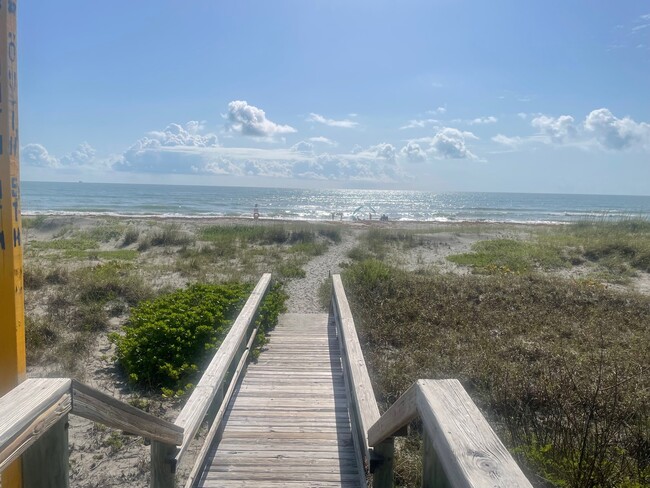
[[557, 365], [617, 248]]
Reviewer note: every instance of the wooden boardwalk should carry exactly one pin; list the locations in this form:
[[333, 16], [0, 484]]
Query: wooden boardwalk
[[288, 423]]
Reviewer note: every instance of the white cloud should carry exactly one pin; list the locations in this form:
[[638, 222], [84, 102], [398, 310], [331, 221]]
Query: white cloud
[[303, 147], [522, 115], [449, 143], [178, 135], [614, 133], [324, 140], [385, 151], [600, 129], [249, 120], [377, 163], [344, 123], [508, 141], [558, 129], [483, 120], [413, 152], [36, 155], [419, 123], [82, 156]]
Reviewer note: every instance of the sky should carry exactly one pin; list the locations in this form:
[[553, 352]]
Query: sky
[[437, 95]]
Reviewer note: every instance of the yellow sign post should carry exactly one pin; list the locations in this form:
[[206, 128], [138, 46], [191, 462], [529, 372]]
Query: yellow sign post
[[12, 306]]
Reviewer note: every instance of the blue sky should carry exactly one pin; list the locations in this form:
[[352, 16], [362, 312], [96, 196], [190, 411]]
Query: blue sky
[[441, 95]]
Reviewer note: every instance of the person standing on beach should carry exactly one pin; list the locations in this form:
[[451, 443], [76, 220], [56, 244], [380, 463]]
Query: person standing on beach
[[256, 212]]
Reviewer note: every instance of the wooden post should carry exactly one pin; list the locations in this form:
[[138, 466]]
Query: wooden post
[[12, 316], [433, 475], [163, 469], [46, 462], [382, 476]]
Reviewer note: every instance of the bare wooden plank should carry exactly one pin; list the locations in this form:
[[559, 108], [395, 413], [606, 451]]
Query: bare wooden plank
[[397, 416], [35, 397], [37, 430], [288, 420], [289, 476], [94, 405], [467, 448], [219, 483], [199, 402], [46, 463]]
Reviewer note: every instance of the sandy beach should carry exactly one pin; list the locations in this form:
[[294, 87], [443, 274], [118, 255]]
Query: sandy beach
[[159, 255]]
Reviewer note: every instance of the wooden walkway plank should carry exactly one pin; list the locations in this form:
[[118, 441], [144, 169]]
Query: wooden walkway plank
[[288, 423]]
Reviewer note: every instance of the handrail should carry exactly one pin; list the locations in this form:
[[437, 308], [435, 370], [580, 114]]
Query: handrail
[[367, 410], [364, 408], [37, 405], [100, 407], [28, 411], [463, 449], [197, 405]]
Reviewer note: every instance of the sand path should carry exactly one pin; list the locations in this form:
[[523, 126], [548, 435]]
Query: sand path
[[303, 292]]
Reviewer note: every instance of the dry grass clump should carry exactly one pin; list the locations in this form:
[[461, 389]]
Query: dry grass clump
[[78, 307], [560, 367]]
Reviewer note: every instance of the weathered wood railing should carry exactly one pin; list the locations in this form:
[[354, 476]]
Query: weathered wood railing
[[213, 389], [33, 416], [364, 411], [460, 449], [33, 423]]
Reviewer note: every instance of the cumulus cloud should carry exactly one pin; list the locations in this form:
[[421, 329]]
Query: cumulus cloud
[[36, 155], [384, 151], [344, 123], [600, 129], [614, 133], [303, 147], [413, 152], [449, 143], [376, 163], [249, 120], [177, 135], [83, 155], [558, 129], [175, 149]]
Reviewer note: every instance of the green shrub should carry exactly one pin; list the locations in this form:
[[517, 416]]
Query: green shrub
[[267, 317], [167, 339]]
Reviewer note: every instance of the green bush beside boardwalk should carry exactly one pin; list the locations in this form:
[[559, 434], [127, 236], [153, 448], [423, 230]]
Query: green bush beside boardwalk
[[168, 340]]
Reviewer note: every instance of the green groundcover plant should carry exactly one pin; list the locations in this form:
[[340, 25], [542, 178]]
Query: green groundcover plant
[[168, 340]]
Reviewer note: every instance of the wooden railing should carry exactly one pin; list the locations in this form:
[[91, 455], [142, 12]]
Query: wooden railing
[[460, 449], [33, 423], [213, 389], [364, 411], [33, 416]]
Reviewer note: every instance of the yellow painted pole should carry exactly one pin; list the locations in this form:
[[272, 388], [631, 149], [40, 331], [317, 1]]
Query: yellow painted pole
[[12, 305]]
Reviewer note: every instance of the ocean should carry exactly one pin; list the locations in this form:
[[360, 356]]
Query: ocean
[[300, 204]]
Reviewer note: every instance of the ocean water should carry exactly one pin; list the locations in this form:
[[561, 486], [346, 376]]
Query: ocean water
[[298, 204]]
